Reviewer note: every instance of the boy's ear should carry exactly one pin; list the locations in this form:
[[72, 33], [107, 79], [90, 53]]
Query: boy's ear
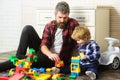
[[86, 37]]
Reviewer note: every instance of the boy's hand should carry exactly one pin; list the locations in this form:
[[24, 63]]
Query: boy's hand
[[83, 57]]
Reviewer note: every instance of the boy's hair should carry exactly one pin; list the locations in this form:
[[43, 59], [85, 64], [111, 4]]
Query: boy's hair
[[62, 7], [81, 32]]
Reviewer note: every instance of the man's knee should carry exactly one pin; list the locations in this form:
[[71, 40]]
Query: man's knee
[[27, 28]]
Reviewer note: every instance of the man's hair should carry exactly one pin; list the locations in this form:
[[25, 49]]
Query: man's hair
[[81, 32], [62, 7]]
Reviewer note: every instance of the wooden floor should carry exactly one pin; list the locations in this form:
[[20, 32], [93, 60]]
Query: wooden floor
[[105, 73], [5, 56]]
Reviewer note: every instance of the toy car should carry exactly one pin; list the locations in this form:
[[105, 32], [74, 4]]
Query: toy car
[[111, 57]]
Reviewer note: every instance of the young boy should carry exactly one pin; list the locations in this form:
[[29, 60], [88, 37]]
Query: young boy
[[91, 50]]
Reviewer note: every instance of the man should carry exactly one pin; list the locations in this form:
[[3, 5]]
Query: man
[[56, 43]]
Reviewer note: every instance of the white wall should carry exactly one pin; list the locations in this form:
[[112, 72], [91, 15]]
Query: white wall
[[30, 6], [10, 24], [14, 14]]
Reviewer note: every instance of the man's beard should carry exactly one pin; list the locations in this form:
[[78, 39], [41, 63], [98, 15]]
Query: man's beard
[[61, 25]]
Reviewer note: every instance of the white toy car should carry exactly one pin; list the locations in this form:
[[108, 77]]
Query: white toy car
[[111, 57]]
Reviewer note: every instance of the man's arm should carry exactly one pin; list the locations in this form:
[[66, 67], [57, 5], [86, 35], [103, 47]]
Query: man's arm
[[47, 52]]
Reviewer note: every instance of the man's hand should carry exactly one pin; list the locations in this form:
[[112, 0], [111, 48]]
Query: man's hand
[[54, 57]]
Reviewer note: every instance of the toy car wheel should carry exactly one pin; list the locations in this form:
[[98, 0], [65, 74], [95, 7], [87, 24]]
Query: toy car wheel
[[116, 63]]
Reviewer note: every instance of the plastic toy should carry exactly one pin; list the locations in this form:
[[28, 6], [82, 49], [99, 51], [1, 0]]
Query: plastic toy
[[16, 76], [58, 77], [75, 67], [23, 70], [111, 57], [4, 78], [59, 64], [48, 69], [42, 77]]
